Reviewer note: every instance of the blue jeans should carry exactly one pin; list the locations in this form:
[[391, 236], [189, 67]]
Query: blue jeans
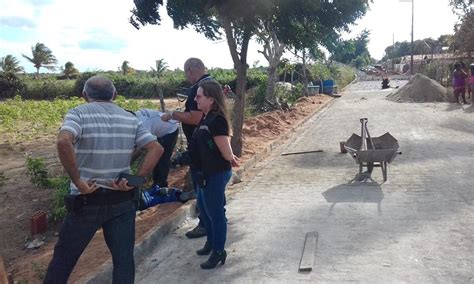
[[118, 224], [162, 168], [195, 180], [212, 199]]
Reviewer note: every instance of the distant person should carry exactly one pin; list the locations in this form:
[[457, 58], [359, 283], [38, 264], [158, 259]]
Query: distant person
[[471, 83], [167, 135], [95, 144], [195, 72], [459, 82], [212, 158]]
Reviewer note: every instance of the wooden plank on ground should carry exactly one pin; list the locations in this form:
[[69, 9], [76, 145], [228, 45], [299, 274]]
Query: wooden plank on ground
[[304, 152], [307, 258], [3, 272]]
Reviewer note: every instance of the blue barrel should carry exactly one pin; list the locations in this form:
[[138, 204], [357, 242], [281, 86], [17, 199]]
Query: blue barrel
[[328, 86]]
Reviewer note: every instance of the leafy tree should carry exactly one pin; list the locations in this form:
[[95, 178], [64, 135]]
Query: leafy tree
[[464, 35], [161, 66], [347, 51], [126, 69], [461, 7], [42, 57], [285, 67], [423, 46], [70, 71], [10, 64], [298, 24], [304, 25], [237, 19]]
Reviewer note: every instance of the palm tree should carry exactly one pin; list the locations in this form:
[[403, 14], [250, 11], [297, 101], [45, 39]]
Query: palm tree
[[126, 69], [10, 66], [42, 57], [69, 70], [161, 67]]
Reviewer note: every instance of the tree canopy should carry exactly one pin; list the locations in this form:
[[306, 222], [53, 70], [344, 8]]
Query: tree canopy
[[461, 7], [69, 70], [421, 46], [352, 51], [42, 57], [10, 64], [464, 36], [298, 24]]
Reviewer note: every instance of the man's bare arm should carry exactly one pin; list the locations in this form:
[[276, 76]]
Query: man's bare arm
[[153, 153], [66, 154], [189, 117]]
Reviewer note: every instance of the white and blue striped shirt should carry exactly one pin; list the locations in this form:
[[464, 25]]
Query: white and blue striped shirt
[[105, 136]]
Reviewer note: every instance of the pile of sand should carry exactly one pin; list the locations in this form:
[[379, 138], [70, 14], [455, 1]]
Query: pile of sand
[[420, 89]]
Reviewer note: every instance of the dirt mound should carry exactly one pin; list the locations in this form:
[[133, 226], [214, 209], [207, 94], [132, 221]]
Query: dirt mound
[[420, 89], [261, 130]]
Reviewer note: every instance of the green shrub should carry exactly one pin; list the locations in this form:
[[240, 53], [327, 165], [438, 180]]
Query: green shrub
[[46, 88], [60, 186], [346, 75], [224, 76], [256, 77], [80, 81], [37, 171], [256, 99], [10, 85]]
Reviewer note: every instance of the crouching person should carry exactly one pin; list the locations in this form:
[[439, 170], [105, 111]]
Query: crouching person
[[95, 144]]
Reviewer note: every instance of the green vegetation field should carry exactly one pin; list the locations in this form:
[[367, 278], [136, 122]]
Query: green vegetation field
[[33, 108]]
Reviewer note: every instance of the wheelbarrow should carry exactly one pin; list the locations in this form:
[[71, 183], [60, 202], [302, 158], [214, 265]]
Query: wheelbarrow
[[370, 152]]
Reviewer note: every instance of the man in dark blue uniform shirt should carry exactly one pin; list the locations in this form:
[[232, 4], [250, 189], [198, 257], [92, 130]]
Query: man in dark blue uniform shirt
[[195, 72]]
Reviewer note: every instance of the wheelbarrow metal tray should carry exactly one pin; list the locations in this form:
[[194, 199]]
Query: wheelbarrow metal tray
[[386, 148]]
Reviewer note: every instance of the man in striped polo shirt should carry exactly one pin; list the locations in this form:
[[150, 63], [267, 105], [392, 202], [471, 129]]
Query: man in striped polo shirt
[[95, 144]]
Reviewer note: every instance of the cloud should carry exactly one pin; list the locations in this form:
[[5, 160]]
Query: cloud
[[40, 2], [16, 22], [110, 44]]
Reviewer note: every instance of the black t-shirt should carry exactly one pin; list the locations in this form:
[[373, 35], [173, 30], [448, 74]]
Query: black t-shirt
[[191, 105], [205, 155]]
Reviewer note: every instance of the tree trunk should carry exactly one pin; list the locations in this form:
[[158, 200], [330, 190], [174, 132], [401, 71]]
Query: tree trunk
[[270, 92], [239, 105], [240, 64], [305, 77], [162, 99], [272, 51]]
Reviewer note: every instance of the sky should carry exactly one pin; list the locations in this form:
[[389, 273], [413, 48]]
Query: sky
[[96, 35]]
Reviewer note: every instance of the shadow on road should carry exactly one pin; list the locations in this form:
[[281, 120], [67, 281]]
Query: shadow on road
[[459, 124], [350, 193]]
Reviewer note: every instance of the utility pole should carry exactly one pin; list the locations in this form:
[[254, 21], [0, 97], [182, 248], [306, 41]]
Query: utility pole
[[393, 51], [412, 20]]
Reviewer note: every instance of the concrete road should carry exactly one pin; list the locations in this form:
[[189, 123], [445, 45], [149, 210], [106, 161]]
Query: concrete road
[[417, 227]]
